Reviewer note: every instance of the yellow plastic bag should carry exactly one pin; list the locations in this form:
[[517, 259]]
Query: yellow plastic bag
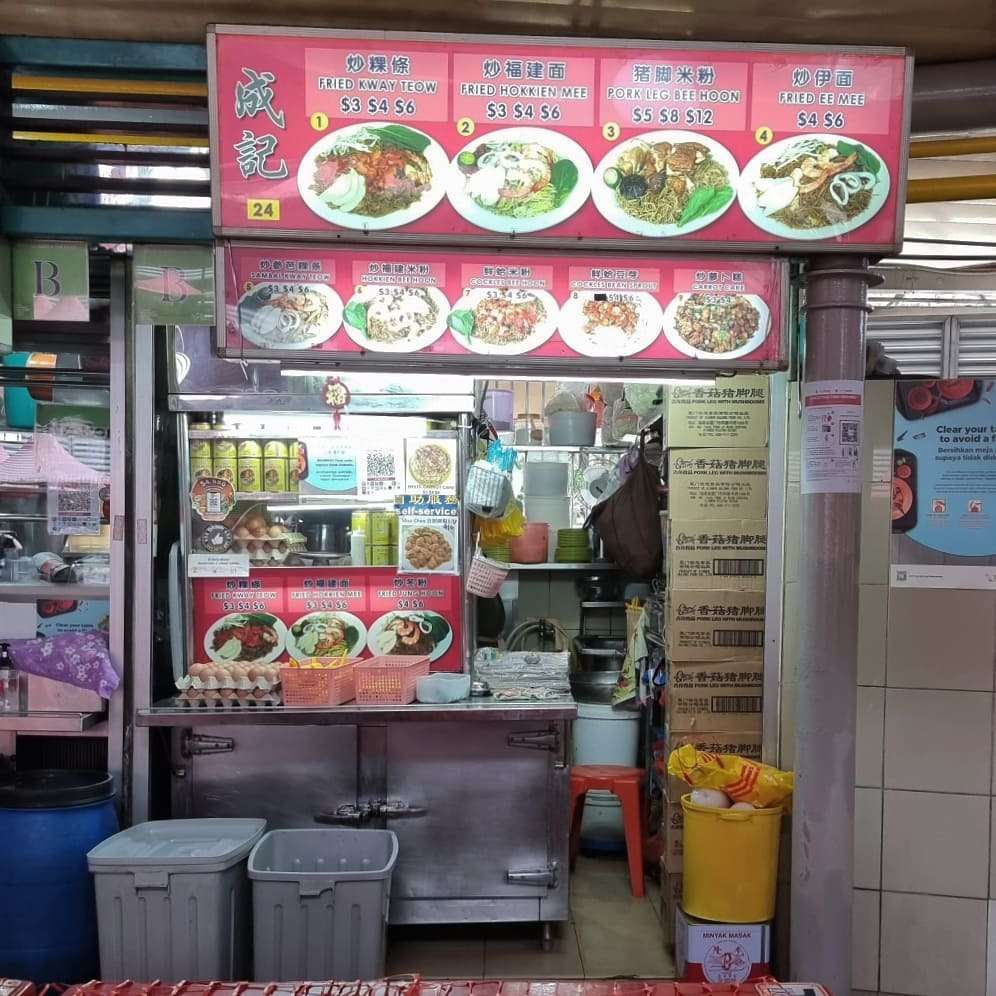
[[512, 523], [742, 780]]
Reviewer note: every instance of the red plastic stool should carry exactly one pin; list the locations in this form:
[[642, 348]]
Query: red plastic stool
[[626, 784]]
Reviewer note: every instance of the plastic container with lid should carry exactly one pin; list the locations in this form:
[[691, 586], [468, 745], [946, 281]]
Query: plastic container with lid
[[173, 899], [48, 821], [320, 901]]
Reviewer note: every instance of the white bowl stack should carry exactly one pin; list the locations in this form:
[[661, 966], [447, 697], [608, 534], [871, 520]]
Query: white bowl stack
[[545, 484]]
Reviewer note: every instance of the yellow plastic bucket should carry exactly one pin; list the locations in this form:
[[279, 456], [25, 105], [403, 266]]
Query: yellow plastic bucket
[[730, 863]]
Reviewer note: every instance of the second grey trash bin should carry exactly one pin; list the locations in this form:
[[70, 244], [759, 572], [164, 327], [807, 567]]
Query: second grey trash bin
[[173, 900], [320, 900]]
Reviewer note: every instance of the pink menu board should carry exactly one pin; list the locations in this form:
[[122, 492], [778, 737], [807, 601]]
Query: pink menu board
[[502, 310], [286, 614], [434, 137]]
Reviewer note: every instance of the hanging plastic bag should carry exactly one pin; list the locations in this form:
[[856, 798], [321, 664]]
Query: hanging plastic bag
[[496, 531], [741, 779]]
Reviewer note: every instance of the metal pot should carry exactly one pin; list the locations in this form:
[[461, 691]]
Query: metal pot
[[597, 686], [599, 587], [326, 537], [598, 653]]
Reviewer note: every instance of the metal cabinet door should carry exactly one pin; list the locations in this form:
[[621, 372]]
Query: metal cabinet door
[[284, 774], [487, 809]]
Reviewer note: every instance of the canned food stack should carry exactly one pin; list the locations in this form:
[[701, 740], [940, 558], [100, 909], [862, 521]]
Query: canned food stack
[[250, 466], [379, 546], [715, 536]]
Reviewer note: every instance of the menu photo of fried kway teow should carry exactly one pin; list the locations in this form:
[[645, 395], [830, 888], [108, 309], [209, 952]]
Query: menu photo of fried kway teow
[[373, 176]]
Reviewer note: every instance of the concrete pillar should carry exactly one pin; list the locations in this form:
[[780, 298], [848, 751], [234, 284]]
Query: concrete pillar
[[823, 808]]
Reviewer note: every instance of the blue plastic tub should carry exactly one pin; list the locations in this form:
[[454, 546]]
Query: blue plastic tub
[[48, 822]]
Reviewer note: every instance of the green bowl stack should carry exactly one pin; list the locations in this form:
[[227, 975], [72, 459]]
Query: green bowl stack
[[497, 551], [573, 547]]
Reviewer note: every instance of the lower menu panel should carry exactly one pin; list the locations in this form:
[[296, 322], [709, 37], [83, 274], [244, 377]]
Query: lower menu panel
[[282, 615]]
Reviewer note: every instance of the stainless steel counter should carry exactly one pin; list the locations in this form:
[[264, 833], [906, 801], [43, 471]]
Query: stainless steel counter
[[477, 792], [168, 713]]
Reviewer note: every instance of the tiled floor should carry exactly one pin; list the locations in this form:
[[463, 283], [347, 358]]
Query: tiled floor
[[609, 935]]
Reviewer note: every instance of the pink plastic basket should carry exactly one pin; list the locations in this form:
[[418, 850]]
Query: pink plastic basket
[[485, 576], [318, 686], [389, 680]]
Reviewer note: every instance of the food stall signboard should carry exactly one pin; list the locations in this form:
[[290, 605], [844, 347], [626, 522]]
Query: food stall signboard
[[363, 307], [293, 614], [326, 134]]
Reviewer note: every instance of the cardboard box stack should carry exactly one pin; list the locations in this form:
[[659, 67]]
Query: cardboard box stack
[[715, 537]]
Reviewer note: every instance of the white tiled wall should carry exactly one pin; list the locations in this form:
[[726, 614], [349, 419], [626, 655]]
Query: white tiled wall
[[925, 796]]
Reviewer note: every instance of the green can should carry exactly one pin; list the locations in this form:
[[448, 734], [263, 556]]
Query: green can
[[250, 474], [379, 555], [200, 449], [227, 469], [274, 473], [250, 449], [201, 467], [379, 533], [225, 449], [276, 448], [293, 474]]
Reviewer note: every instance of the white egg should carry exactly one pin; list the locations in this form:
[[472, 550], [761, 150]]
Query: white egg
[[712, 798], [743, 805]]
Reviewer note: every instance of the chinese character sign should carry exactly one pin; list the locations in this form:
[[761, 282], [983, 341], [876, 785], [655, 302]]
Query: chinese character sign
[[326, 133], [656, 311]]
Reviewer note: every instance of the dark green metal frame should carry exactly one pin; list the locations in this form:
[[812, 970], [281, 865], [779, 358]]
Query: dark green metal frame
[[104, 224]]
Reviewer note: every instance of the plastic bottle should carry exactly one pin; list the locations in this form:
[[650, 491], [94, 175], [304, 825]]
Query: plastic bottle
[[357, 549], [10, 682]]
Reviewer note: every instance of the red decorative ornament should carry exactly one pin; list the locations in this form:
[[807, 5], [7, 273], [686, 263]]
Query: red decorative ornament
[[336, 396]]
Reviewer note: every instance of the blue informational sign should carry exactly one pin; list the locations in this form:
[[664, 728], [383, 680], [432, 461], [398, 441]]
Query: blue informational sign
[[944, 465], [72, 616]]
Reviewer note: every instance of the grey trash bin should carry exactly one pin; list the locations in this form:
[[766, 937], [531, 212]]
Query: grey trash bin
[[320, 900], [173, 900]]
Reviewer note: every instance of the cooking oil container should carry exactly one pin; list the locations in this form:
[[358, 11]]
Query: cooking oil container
[[225, 449], [275, 448]]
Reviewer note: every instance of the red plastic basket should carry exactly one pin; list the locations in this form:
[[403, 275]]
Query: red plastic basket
[[389, 680], [307, 686]]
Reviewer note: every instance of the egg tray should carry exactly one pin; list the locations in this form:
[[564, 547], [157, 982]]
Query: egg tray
[[214, 685], [194, 698]]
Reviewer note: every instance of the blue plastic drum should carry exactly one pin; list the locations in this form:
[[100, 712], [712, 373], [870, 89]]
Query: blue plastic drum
[[48, 822]]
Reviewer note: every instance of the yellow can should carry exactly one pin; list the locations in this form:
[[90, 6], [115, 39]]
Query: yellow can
[[293, 475], [225, 468], [250, 449], [379, 532], [274, 474], [225, 449], [361, 524], [275, 448], [201, 467], [250, 474], [394, 528], [200, 449]]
